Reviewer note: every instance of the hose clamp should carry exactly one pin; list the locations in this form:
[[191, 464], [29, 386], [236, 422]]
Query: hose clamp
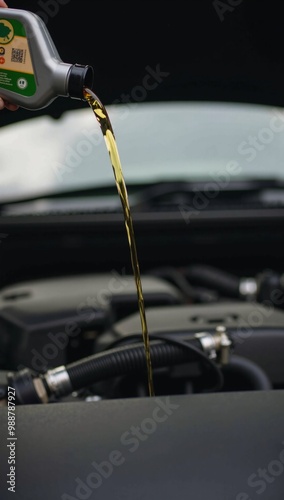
[[58, 381], [208, 344]]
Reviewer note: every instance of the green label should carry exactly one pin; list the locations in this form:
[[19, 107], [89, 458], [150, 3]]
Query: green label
[[16, 68], [11, 80]]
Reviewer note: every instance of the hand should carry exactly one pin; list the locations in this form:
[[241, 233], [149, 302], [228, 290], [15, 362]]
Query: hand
[[3, 103]]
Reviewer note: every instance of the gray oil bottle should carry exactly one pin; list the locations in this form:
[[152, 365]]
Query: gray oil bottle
[[32, 74]]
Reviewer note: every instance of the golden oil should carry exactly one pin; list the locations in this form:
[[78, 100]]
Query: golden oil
[[106, 128]]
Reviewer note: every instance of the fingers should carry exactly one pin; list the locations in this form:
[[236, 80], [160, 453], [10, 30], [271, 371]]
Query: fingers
[[11, 107], [8, 105], [3, 4]]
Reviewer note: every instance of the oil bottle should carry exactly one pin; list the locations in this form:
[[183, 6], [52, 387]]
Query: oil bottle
[[32, 74]]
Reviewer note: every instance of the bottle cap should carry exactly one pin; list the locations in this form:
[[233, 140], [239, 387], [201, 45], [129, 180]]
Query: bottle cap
[[79, 77]]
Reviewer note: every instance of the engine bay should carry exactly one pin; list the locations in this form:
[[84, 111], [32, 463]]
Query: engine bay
[[202, 321]]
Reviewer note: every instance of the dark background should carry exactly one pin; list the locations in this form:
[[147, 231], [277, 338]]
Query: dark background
[[234, 55]]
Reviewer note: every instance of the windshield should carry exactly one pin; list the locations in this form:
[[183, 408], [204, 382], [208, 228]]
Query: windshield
[[158, 141]]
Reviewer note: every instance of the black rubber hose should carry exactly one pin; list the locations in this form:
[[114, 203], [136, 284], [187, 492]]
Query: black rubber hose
[[131, 358], [176, 277], [249, 373], [214, 278]]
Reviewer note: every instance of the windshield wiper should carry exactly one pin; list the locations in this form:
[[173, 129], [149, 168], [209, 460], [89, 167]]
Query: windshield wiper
[[247, 193], [96, 192], [157, 196]]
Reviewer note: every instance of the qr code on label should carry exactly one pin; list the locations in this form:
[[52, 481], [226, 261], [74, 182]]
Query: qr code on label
[[18, 55]]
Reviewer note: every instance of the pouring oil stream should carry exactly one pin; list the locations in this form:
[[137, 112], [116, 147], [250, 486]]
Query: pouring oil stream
[[106, 128]]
